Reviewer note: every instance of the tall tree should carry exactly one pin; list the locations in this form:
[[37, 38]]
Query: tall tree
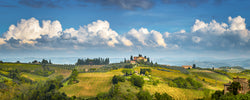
[[194, 66], [45, 61], [131, 57], [50, 62], [148, 60]]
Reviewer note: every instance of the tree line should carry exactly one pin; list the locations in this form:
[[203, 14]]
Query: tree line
[[95, 61]]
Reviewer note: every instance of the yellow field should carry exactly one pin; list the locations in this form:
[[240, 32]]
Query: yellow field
[[59, 71], [4, 72], [176, 93], [168, 69], [80, 67], [165, 74], [34, 77], [241, 75], [20, 66], [90, 84]]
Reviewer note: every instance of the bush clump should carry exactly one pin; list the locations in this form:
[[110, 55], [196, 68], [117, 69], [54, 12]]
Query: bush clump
[[188, 83], [117, 79], [137, 80]]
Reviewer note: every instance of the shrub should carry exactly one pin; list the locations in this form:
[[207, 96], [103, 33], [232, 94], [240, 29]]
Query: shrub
[[127, 71], [181, 82], [144, 95], [137, 80], [143, 71], [156, 82], [172, 84], [194, 83], [128, 66], [163, 96], [185, 83], [217, 94], [73, 77], [116, 79]]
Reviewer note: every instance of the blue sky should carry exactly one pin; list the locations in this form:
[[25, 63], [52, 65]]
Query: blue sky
[[154, 27]]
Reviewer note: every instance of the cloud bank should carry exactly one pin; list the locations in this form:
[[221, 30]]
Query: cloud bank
[[124, 4], [203, 35]]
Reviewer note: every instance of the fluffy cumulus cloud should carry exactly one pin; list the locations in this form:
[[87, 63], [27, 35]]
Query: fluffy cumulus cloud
[[28, 30], [236, 28], [221, 35], [50, 34], [2, 41], [126, 42], [99, 34], [147, 38]]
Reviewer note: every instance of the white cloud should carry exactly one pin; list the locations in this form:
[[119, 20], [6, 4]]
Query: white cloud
[[213, 27], [166, 34], [99, 34], [140, 35], [159, 38], [126, 42], [214, 35], [96, 33], [146, 38], [196, 39], [71, 31], [198, 25], [181, 31], [29, 30], [2, 41], [237, 23]]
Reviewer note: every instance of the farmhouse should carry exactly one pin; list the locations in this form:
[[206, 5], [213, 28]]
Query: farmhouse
[[187, 66], [140, 59], [243, 82], [132, 62]]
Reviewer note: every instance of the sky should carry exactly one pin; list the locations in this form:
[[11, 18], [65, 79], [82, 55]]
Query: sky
[[187, 29]]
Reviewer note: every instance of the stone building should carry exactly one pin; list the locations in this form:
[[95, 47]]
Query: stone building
[[243, 83], [140, 59], [187, 66]]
